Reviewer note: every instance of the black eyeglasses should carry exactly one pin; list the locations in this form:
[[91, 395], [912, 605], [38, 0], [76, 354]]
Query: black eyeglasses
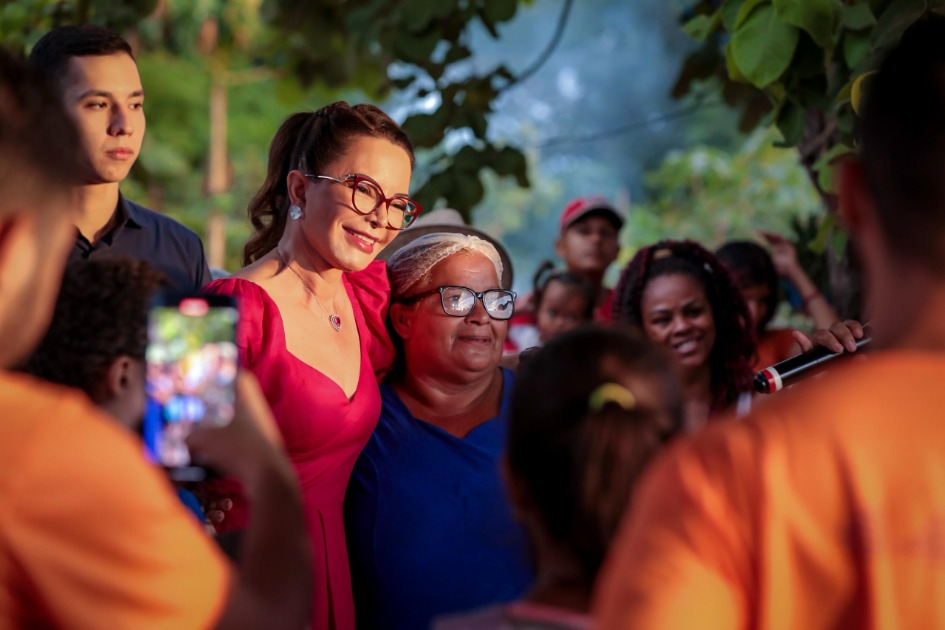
[[367, 196], [460, 301]]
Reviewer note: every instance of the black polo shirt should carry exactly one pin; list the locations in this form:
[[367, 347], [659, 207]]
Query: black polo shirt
[[147, 235]]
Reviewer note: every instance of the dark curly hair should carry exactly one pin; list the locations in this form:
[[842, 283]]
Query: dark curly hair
[[734, 350], [310, 141], [101, 314], [751, 265]]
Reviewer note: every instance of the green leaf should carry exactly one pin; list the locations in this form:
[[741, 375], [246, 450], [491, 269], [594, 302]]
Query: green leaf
[[734, 72], [824, 231], [825, 178], [762, 47], [897, 17], [729, 12], [816, 17], [857, 17], [776, 92], [509, 161], [860, 86], [790, 121], [825, 166], [498, 10], [416, 49], [457, 52], [476, 120], [838, 243], [843, 96], [469, 158], [426, 130], [435, 188], [417, 14], [466, 190], [744, 11], [856, 46], [701, 26]]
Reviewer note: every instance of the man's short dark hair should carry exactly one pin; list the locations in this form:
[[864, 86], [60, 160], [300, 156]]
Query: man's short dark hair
[[54, 50], [101, 314], [40, 148], [903, 145]]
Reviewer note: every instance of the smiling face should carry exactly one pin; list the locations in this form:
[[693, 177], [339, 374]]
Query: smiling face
[[437, 343], [103, 94], [677, 314], [333, 234]]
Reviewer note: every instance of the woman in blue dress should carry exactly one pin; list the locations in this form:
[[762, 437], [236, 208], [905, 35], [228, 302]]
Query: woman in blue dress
[[429, 527]]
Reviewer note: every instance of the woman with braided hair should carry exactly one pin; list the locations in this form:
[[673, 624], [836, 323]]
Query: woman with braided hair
[[312, 304], [682, 297]]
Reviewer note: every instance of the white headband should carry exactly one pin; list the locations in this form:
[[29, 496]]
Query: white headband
[[414, 261]]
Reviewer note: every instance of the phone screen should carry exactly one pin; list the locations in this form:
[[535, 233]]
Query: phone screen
[[191, 370]]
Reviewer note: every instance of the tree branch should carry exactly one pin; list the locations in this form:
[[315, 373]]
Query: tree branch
[[555, 39], [626, 128]]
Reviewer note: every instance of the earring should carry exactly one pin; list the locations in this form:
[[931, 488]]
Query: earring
[[295, 212]]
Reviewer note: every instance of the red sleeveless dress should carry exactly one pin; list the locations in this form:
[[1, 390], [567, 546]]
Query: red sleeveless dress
[[323, 431]]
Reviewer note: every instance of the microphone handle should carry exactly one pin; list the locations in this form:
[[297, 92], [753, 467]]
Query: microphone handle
[[774, 378]]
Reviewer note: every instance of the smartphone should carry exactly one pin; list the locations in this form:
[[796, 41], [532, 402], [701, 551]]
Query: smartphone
[[191, 375]]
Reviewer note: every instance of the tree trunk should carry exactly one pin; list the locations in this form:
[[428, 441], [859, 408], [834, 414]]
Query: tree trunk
[[218, 175]]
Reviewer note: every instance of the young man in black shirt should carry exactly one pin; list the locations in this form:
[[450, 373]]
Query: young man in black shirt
[[97, 78]]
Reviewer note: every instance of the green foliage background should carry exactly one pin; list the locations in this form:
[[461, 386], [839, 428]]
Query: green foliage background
[[274, 57]]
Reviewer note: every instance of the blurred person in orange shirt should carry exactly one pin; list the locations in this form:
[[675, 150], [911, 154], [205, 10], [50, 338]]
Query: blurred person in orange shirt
[[91, 536], [824, 509]]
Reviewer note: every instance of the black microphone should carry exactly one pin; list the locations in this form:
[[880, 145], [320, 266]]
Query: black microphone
[[780, 375]]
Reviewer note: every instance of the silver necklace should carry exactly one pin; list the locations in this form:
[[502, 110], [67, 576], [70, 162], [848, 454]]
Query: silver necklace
[[333, 319]]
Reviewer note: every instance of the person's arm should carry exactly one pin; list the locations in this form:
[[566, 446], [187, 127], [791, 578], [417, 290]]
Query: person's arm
[[784, 258], [273, 585]]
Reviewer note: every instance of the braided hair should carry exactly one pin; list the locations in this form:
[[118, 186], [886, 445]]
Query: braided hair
[[310, 141], [734, 350]]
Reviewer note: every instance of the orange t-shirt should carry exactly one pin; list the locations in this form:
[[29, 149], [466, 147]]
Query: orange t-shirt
[[824, 509], [91, 535]]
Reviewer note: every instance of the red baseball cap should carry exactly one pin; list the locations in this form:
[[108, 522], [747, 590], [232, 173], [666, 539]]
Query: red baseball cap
[[579, 208]]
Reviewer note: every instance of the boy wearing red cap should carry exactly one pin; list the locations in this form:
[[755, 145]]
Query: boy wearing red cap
[[587, 243]]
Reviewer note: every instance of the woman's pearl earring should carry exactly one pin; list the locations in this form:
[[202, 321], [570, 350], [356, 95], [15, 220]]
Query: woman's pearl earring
[[295, 212]]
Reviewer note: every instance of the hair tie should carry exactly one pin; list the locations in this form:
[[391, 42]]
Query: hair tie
[[611, 393]]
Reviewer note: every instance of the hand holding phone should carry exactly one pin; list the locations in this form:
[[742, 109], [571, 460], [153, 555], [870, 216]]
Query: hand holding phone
[[191, 371]]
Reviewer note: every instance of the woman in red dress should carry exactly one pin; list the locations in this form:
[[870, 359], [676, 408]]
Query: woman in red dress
[[313, 302]]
